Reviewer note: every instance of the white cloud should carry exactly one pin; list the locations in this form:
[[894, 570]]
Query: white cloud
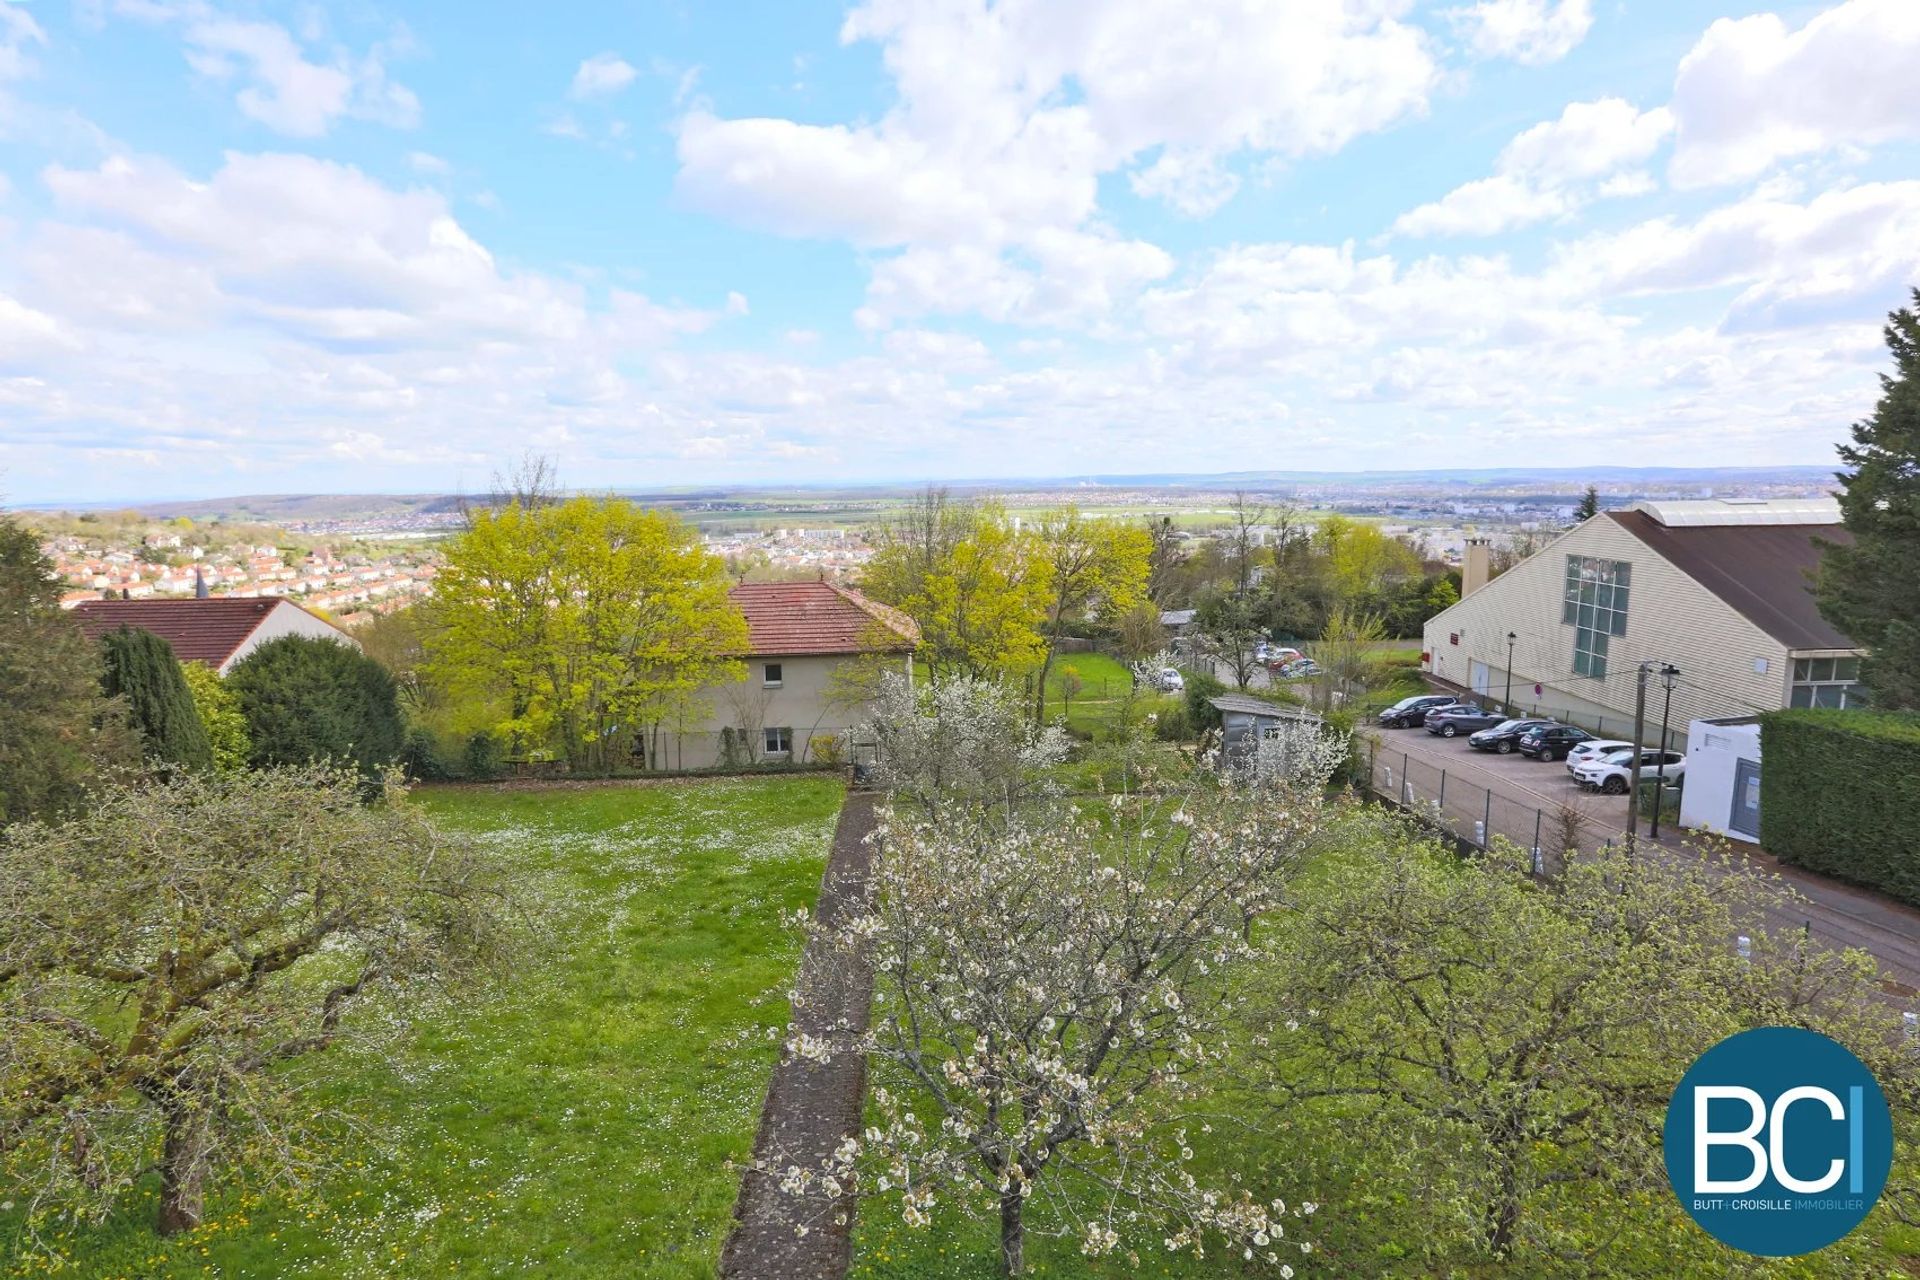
[[1484, 207], [1548, 171], [428, 163], [602, 74], [279, 84], [989, 164], [18, 30], [1753, 91], [1193, 182], [1843, 255], [1534, 32]]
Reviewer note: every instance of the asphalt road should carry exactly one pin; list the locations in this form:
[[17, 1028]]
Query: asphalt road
[[1524, 800]]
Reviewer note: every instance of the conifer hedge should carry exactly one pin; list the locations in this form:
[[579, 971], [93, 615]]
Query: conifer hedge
[[1840, 794], [140, 668]]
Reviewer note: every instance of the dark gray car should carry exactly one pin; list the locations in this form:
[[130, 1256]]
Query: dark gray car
[[1412, 711], [1461, 719]]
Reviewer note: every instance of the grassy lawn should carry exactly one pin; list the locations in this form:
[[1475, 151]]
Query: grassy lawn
[[576, 1122], [1104, 685]]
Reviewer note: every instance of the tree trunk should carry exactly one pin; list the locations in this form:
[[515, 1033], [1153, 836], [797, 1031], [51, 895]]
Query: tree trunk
[[1013, 1233], [1046, 665], [1503, 1215], [183, 1169]]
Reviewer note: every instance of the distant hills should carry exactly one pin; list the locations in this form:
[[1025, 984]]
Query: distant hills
[[280, 508]]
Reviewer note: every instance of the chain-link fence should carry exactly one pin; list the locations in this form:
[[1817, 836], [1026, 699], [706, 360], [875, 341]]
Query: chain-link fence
[[1477, 815]]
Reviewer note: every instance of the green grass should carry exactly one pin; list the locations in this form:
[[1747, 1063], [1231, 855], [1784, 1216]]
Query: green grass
[[1105, 684], [577, 1121]]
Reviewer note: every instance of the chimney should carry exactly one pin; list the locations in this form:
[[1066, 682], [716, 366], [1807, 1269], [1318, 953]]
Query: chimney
[[200, 591], [1478, 566]]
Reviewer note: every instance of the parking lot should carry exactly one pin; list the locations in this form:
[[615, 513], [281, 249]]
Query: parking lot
[[1478, 796], [1511, 795]]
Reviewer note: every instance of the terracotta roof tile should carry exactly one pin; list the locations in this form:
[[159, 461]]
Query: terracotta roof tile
[[199, 630], [796, 618]]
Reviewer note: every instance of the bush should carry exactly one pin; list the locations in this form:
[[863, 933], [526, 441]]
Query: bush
[[1839, 794], [482, 758], [1669, 799], [309, 699], [420, 757], [1201, 713], [1175, 724], [219, 710], [140, 669]]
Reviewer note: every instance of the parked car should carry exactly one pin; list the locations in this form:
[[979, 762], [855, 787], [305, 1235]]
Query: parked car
[[1299, 669], [1408, 712], [1169, 680], [1503, 737], [1278, 657], [1461, 717], [1609, 773], [1551, 741], [1593, 749]]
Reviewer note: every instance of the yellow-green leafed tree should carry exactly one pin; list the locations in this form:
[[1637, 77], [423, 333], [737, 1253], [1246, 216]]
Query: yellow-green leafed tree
[[1090, 565], [976, 585], [590, 619]]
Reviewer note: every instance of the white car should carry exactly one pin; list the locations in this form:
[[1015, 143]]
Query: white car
[[1609, 773], [1169, 680], [1593, 749]]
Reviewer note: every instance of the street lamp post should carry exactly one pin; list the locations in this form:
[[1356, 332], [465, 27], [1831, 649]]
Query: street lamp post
[[1511, 637], [1668, 675]]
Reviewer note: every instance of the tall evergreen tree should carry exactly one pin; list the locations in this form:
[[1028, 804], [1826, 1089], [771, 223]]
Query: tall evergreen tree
[[308, 699], [141, 670], [1871, 589], [57, 730], [1589, 504]]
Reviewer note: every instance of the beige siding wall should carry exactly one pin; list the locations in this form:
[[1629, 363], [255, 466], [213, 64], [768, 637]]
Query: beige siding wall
[[802, 703], [1670, 618]]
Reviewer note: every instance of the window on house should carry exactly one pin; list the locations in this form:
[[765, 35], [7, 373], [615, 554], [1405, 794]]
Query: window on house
[[779, 742], [1827, 682], [1595, 606], [771, 678]]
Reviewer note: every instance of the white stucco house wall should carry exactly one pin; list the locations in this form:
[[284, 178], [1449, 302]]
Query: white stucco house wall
[[795, 698]]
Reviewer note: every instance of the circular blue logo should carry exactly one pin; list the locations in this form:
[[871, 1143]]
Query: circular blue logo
[[1778, 1141]]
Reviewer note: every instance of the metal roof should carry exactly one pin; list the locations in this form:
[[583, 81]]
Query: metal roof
[[1741, 511], [1763, 570], [1252, 706]]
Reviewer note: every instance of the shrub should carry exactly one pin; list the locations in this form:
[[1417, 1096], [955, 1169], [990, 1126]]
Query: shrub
[[482, 757], [1201, 713], [220, 714], [420, 756], [1174, 724], [141, 670], [1838, 795], [1669, 799], [310, 699]]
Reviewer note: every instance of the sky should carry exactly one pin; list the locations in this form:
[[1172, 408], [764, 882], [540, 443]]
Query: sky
[[370, 246]]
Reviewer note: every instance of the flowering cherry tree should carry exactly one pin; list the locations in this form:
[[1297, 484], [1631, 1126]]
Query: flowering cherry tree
[[958, 742], [1053, 991]]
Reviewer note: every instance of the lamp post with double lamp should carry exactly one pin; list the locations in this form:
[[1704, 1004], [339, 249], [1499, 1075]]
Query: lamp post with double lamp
[[1511, 638], [1669, 675]]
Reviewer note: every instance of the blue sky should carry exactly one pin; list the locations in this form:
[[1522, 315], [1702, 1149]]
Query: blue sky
[[377, 246]]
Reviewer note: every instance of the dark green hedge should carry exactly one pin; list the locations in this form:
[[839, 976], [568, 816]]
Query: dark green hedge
[[1840, 794]]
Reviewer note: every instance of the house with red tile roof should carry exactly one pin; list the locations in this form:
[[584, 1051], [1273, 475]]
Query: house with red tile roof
[[218, 632], [793, 701]]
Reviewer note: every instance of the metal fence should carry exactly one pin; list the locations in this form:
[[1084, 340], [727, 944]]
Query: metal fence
[[1606, 726], [1476, 815]]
